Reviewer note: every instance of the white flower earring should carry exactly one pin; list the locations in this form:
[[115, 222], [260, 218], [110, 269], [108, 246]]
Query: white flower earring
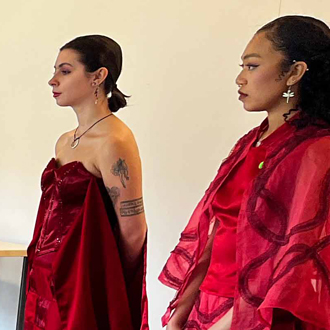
[[289, 94]]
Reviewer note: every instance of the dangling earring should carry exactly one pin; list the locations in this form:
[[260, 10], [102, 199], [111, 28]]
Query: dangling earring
[[288, 94], [96, 93]]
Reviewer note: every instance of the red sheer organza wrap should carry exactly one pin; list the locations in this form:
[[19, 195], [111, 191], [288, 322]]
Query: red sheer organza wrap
[[283, 234]]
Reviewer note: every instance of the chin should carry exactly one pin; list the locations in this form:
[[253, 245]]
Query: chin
[[62, 104], [253, 110], [250, 108]]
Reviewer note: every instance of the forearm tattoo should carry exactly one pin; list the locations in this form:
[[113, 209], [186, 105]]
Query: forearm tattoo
[[120, 169], [132, 207], [114, 193]]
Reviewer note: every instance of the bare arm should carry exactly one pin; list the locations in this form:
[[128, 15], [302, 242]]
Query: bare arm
[[120, 167], [187, 300]]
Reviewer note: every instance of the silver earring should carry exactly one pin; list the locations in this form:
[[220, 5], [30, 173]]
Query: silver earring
[[96, 94], [294, 61], [288, 94]]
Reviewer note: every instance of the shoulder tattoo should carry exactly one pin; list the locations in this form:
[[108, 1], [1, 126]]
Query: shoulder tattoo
[[120, 169]]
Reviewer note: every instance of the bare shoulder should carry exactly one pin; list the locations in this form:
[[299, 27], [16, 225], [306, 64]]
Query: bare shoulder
[[63, 140], [117, 144], [118, 156], [119, 138]]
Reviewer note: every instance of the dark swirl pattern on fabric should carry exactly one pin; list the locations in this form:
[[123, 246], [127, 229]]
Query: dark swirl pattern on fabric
[[280, 238]]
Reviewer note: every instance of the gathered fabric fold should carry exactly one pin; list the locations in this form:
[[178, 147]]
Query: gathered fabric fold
[[88, 280]]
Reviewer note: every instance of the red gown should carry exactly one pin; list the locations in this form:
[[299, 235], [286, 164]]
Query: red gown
[[282, 240], [221, 276], [75, 279]]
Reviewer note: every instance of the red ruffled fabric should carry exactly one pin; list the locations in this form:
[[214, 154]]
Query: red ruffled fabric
[[283, 234], [208, 309], [86, 279]]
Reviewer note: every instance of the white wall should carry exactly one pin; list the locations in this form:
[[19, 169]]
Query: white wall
[[180, 61]]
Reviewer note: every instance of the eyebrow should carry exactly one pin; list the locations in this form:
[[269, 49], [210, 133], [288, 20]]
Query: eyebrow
[[65, 63], [251, 55]]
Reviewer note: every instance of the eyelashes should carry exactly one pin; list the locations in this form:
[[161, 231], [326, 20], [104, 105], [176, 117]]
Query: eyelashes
[[64, 72], [250, 67]]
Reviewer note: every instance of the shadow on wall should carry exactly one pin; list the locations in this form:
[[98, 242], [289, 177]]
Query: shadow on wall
[[10, 277]]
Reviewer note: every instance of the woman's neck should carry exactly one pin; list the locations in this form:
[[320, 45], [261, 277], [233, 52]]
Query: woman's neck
[[88, 114], [276, 119]]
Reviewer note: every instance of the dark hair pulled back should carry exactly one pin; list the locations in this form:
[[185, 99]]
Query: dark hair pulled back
[[98, 51], [303, 38]]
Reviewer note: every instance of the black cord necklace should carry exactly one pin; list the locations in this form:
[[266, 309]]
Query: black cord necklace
[[76, 139]]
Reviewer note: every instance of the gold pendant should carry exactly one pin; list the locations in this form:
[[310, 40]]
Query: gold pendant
[[75, 143]]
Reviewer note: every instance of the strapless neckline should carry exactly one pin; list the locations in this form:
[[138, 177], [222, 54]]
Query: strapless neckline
[[53, 164]]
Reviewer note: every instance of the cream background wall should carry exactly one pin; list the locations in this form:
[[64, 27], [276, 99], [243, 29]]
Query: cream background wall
[[180, 61]]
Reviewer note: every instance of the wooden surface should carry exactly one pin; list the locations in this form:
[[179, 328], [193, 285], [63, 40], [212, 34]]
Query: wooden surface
[[12, 250]]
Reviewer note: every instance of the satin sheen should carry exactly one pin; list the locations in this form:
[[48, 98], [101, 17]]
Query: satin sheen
[[221, 276], [75, 278]]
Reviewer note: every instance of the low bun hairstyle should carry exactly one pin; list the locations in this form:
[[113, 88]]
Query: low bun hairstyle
[[98, 51], [302, 38]]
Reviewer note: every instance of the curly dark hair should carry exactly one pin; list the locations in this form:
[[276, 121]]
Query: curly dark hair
[[307, 39], [98, 51]]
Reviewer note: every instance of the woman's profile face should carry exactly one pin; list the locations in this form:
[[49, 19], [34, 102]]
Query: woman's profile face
[[71, 85], [261, 80]]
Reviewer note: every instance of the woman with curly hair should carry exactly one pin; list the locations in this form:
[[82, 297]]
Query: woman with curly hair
[[256, 252]]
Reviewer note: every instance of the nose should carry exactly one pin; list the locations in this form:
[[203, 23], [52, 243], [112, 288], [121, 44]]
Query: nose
[[240, 79], [53, 82]]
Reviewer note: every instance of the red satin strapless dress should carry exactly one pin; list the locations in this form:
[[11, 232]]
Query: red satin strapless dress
[[64, 191], [75, 278]]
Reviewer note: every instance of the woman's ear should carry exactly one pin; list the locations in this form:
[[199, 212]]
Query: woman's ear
[[297, 72], [99, 76]]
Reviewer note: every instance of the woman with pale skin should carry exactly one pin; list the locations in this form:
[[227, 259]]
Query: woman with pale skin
[[101, 148], [255, 254], [98, 164]]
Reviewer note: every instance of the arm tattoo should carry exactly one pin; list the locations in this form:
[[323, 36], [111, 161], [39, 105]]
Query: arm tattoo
[[114, 193], [132, 207], [120, 169]]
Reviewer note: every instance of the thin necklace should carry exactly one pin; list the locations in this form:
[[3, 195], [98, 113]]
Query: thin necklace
[[260, 137], [76, 139]]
